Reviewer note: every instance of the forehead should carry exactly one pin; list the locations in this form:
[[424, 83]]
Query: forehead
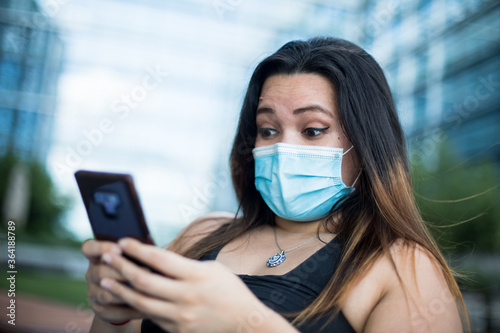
[[298, 86], [296, 94], [298, 89]]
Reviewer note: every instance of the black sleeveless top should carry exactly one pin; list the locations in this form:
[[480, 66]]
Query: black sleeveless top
[[293, 291]]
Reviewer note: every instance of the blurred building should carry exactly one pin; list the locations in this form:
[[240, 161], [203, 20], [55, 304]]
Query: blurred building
[[30, 64], [442, 60]]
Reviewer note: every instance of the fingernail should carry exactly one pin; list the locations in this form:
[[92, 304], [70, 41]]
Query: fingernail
[[123, 243], [115, 249], [106, 258], [106, 283]]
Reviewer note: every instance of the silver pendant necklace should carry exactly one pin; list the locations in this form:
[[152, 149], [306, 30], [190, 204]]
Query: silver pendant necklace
[[279, 258]]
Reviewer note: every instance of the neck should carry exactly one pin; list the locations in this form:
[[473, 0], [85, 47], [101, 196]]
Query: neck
[[294, 227]]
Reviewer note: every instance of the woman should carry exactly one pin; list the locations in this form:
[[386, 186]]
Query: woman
[[330, 238]]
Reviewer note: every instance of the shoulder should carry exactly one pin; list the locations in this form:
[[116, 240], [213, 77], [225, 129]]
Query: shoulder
[[405, 291], [198, 229]]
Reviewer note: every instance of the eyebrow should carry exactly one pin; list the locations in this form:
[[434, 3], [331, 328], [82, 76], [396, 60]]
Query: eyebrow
[[308, 108]]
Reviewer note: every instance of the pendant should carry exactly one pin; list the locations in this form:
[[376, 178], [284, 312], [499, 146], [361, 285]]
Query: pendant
[[276, 260]]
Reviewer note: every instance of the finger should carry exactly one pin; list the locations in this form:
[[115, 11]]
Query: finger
[[99, 295], [166, 262], [149, 306], [116, 313], [153, 284], [96, 272], [93, 249]]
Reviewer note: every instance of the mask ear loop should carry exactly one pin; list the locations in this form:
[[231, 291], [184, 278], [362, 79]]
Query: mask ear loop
[[357, 177], [348, 150], [359, 173]]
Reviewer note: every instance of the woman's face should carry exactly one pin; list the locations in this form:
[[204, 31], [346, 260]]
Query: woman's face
[[301, 109]]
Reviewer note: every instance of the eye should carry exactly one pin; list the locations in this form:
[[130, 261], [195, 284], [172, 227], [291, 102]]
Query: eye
[[266, 132], [314, 131]]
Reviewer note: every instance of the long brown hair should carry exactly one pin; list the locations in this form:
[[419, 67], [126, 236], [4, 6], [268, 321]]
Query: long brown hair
[[381, 211]]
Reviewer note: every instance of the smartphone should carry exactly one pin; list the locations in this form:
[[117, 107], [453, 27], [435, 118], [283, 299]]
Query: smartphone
[[112, 206]]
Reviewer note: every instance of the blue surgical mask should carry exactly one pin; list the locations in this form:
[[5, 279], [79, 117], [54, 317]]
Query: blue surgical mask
[[300, 183]]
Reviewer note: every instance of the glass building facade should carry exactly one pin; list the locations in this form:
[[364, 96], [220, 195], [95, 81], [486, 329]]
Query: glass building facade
[[442, 60], [30, 64]]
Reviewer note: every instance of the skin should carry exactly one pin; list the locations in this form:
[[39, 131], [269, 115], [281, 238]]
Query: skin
[[195, 296]]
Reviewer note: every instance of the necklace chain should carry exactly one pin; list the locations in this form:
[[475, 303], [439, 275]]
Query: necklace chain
[[295, 247]]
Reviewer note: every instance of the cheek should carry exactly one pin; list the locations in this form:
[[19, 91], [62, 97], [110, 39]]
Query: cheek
[[339, 139], [349, 169], [259, 142], [346, 144]]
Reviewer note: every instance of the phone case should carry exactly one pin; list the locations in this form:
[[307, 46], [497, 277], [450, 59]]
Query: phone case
[[113, 206]]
